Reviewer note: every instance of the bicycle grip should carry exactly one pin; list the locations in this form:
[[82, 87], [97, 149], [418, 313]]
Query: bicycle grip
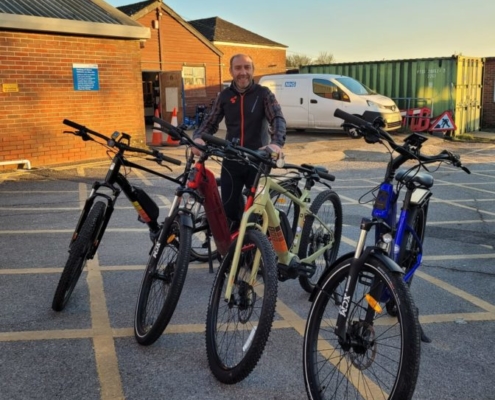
[[73, 124], [349, 118], [168, 128], [324, 175], [171, 160], [215, 140]]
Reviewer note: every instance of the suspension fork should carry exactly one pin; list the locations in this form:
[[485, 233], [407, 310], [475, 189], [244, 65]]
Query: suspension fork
[[258, 197], [360, 256]]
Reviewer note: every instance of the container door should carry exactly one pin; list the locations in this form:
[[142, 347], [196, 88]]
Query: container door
[[468, 94]]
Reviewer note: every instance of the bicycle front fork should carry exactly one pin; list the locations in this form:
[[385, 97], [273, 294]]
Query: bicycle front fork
[[360, 256]]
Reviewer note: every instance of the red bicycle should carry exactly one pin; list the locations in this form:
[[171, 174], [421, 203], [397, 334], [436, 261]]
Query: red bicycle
[[195, 217]]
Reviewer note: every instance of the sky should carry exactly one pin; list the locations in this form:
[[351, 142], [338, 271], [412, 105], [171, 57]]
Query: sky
[[358, 30]]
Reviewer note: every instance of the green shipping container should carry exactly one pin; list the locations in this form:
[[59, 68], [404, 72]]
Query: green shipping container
[[441, 84]]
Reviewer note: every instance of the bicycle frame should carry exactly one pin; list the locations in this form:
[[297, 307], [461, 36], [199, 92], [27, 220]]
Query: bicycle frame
[[113, 178], [385, 208], [204, 181], [259, 203]]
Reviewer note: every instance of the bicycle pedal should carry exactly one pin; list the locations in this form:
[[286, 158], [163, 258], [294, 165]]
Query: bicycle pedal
[[286, 272], [307, 270]]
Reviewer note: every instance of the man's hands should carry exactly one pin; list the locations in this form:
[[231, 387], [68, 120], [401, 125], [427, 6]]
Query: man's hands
[[273, 147], [276, 153], [196, 151]]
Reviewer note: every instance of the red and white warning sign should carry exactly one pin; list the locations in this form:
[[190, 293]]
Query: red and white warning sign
[[444, 122]]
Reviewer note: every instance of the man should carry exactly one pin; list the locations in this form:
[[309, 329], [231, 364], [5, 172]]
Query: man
[[252, 114]]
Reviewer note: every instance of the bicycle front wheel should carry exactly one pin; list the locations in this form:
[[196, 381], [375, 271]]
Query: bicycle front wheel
[[315, 235], [380, 357], [237, 329], [162, 283], [78, 256]]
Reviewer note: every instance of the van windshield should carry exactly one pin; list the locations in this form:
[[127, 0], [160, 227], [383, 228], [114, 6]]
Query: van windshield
[[354, 86]]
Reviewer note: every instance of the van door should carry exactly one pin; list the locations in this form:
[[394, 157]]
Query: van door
[[324, 98], [292, 95]]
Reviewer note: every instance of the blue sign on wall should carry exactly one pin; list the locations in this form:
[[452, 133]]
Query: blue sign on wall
[[85, 76]]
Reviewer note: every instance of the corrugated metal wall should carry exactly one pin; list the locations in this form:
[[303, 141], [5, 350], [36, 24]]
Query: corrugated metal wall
[[448, 83]]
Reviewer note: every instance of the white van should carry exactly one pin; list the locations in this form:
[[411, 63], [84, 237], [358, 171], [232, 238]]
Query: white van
[[309, 100]]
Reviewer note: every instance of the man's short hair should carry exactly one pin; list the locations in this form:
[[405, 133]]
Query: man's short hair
[[240, 55]]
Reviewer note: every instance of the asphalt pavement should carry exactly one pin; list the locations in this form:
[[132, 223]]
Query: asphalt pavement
[[88, 350]]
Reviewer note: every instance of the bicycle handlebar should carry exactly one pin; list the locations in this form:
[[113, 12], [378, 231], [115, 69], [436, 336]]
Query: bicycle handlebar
[[311, 169], [83, 130], [372, 134], [227, 147], [265, 157]]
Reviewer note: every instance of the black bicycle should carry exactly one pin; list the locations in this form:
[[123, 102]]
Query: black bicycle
[[100, 205]]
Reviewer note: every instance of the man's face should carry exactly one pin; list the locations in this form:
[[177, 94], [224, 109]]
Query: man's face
[[242, 71]]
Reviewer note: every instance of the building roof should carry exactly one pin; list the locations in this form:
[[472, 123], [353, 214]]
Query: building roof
[[139, 10], [216, 29], [85, 17]]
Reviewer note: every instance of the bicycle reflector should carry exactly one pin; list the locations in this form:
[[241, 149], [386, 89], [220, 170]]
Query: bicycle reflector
[[373, 303]]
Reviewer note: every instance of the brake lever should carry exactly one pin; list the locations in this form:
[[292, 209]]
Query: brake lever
[[456, 161], [82, 134], [159, 161]]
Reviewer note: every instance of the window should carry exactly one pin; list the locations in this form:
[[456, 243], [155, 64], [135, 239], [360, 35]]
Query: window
[[194, 77], [194, 81], [354, 86], [326, 89]]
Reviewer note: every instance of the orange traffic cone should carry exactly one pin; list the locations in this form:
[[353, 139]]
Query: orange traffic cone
[[156, 139], [170, 141]]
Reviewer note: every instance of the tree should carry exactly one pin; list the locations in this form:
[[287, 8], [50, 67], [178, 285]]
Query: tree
[[323, 58], [299, 60]]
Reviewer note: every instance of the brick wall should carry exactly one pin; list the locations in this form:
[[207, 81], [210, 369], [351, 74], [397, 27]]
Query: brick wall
[[267, 61], [41, 66], [488, 114], [171, 47]]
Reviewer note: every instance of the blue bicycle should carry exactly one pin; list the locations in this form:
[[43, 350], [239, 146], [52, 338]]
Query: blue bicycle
[[352, 348]]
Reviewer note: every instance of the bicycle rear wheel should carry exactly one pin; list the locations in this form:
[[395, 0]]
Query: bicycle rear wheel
[[78, 253], [199, 241], [328, 208], [237, 330], [162, 283], [380, 359], [410, 248], [286, 205]]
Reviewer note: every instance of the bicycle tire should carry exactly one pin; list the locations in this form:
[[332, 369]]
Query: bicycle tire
[[328, 207], [162, 283], [78, 253], [386, 361], [237, 330], [410, 249], [199, 248]]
